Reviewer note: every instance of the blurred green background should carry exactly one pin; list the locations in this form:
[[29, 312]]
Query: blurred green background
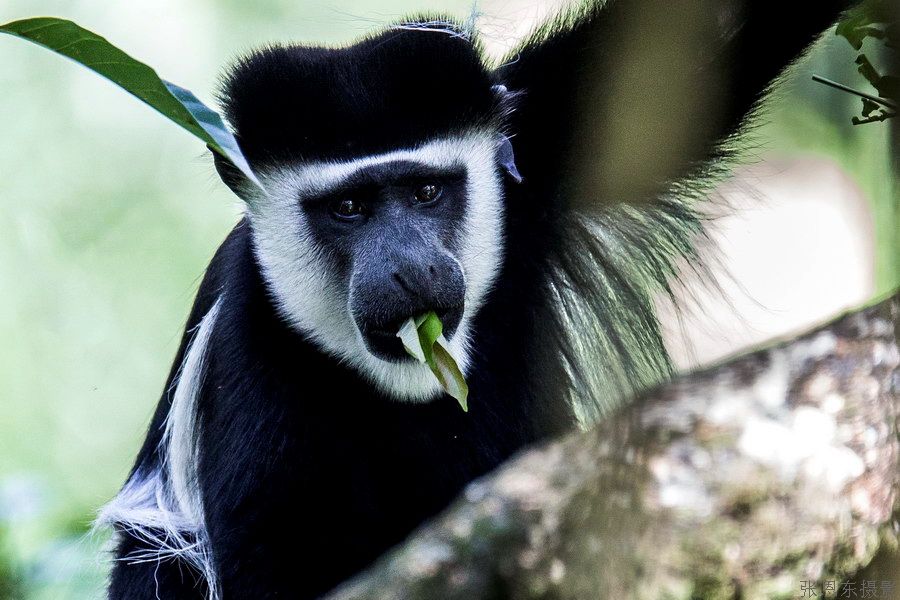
[[109, 214]]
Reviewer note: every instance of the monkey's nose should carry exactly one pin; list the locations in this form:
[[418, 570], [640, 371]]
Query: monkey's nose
[[389, 290]]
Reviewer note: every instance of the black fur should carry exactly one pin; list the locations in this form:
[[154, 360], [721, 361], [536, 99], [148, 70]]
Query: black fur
[[307, 473], [386, 92]]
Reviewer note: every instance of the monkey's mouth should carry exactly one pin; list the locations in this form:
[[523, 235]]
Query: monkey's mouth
[[382, 341]]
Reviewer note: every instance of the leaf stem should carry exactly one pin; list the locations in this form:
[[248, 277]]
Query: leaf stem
[[877, 99]]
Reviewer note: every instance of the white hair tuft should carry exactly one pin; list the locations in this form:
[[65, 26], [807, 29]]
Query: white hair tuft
[[163, 506]]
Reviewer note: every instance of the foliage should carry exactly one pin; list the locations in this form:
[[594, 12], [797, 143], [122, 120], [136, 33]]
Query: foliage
[[96, 53], [11, 584], [876, 20]]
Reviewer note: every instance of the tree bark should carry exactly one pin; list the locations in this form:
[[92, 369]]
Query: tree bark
[[745, 480]]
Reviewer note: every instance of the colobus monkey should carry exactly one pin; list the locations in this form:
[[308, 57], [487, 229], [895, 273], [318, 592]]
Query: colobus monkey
[[295, 441]]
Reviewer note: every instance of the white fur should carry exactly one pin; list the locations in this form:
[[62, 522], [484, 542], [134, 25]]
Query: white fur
[[317, 304], [166, 510], [450, 28]]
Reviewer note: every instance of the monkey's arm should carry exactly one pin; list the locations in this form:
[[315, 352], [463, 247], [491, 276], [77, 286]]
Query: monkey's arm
[[620, 114], [643, 89]]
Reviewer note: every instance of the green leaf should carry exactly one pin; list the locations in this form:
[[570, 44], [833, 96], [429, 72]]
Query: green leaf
[[869, 107], [423, 339], [409, 335], [96, 53], [430, 329], [448, 374]]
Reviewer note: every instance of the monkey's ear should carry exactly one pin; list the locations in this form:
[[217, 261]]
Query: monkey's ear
[[231, 175]]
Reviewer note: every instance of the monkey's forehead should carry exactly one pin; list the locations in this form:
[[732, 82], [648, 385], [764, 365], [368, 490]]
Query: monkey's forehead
[[397, 89]]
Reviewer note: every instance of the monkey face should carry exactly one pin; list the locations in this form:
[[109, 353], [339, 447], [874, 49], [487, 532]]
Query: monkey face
[[403, 261], [383, 192], [392, 232], [352, 249]]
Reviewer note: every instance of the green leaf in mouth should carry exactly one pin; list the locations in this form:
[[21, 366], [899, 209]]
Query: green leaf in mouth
[[423, 339]]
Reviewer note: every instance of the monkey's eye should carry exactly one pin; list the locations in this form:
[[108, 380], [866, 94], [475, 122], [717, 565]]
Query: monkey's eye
[[347, 208], [428, 193]]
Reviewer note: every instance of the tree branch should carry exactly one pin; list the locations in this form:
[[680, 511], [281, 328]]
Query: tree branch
[[743, 480]]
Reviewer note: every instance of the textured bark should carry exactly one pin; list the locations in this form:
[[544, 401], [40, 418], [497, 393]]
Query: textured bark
[[739, 481]]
